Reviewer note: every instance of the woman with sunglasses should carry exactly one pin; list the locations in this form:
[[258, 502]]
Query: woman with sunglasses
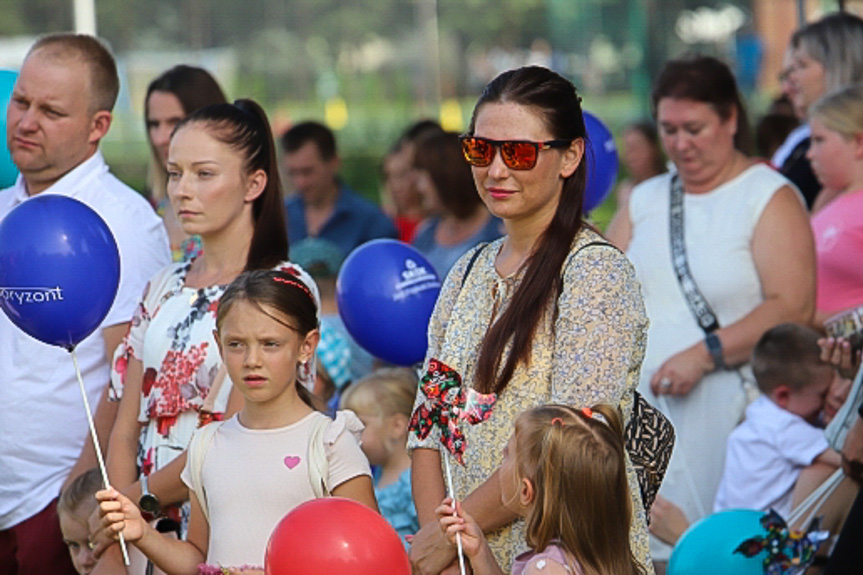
[[550, 313], [724, 251]]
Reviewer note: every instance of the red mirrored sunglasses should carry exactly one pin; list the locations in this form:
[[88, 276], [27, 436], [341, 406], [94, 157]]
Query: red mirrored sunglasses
[[516, 154]]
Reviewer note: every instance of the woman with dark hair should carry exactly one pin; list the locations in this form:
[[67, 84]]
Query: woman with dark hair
[[401, 200], [550, 313], [459, 220], [171, 97], [724, 251], [224, 186]]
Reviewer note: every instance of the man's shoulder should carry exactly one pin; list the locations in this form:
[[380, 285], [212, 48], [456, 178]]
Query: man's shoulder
[[8, 199], [111, 194]]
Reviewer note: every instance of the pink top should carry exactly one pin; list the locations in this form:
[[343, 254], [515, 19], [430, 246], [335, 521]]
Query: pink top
[[838, 229], [553, 553]]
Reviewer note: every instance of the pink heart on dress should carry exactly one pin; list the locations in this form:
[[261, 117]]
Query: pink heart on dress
[[292, 461]]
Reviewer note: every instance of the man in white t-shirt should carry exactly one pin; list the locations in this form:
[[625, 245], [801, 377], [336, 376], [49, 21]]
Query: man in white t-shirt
[[59, 111]]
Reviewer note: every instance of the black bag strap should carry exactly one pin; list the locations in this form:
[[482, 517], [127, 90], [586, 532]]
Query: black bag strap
[[698, 304], [472, 261], [483, 245]]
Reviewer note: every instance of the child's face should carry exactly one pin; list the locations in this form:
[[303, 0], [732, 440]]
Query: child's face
[[809, 401], [374, 440], [261, 354], [76, 536], [832, 156]]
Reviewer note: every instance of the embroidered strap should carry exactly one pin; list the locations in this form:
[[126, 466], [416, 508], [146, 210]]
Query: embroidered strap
[[698, 304]]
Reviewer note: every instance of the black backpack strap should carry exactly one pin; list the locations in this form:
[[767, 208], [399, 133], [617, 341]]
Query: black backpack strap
[[598, 243], [472, 261]]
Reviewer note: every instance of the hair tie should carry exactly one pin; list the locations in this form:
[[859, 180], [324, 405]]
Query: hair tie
[[557, 421], [590, 414]]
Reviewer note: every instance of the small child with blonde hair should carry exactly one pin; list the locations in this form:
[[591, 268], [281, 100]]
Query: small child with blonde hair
[[383, 401], [564, 472], [74, 508]]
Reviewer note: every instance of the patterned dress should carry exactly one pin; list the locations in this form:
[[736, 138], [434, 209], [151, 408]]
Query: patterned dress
[[591, 354], [172, 335]]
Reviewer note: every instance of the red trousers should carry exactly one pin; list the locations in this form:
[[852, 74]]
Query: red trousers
[[35, 546]]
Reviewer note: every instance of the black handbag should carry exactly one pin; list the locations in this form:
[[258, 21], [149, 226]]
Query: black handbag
[[649, 434]]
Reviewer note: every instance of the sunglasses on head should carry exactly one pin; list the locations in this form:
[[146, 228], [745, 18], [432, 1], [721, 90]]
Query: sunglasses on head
[[516, 154]]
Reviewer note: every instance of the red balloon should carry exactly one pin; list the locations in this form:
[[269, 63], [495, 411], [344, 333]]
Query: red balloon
[[335, 535]]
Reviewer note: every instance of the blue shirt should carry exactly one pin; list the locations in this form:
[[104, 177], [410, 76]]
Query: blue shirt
[[444, 257], [397, 506], [354, 221]]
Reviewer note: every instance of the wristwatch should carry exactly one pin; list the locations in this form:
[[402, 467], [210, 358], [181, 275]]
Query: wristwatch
[[714, 346], [148, 503]]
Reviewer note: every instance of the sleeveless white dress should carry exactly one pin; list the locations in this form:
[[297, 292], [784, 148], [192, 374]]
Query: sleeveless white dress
[[718, 230]]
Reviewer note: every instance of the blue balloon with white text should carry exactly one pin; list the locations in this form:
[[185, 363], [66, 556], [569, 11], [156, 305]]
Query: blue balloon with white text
[[602, 162], [8, 171], [386, 292], [59, 269]]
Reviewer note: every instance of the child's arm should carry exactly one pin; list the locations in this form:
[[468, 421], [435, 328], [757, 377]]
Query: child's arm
[[359, 489], [473, 541], [119, 514], [829, 457]]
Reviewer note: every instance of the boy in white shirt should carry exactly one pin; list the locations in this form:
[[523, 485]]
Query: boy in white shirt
[[779, 438]]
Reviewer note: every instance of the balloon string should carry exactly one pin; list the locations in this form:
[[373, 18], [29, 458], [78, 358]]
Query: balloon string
[[96, 444], [452, 494]]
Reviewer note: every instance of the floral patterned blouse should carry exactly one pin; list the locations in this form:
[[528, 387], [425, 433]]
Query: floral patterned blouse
[[591, 354], [172, 335]]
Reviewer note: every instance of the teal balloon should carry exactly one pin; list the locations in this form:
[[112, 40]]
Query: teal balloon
[[707, 547], [8, 171]]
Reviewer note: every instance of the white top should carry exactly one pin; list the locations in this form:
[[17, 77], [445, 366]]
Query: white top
[[718, 229], [43, 424], [254, 477], [765, 456]]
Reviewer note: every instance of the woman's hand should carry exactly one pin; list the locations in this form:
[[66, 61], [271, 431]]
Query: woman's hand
[[431, 552], [681, 372], [667, 520], [454, 521], [837, 351]]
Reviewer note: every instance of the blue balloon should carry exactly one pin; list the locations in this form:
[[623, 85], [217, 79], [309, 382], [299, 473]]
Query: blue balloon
[[386, 291], [59, 269], [707, 547], [602, 162], [8, 171]]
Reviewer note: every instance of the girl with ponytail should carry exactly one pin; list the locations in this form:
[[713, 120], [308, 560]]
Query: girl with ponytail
[[564, 472], [224, 186]]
